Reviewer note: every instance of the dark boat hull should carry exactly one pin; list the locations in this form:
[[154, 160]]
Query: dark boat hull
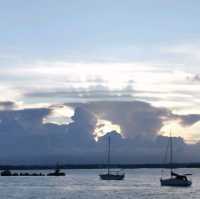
[[111, 176], [172, 182], [56, 174]]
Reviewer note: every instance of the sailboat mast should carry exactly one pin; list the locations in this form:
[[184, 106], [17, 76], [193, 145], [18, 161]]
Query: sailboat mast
[[171, 152], [108, 161]]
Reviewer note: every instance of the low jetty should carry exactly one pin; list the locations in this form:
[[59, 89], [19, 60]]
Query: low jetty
[[7, 172]]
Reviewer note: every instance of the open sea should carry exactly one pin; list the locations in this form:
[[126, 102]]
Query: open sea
[[85, 184]]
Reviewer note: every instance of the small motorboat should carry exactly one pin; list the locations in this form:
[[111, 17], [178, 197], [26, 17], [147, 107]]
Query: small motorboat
[[56, 173]]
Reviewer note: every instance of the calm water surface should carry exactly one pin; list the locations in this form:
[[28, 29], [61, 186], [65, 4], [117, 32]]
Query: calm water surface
[[85, 184]]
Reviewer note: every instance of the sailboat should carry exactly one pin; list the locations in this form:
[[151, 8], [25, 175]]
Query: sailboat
[[111, 175], [175, 179]]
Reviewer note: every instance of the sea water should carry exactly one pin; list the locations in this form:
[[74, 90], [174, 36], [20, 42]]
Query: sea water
[[85, 184]]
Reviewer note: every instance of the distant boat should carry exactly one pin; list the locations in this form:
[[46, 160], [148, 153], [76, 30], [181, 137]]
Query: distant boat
[[175, 179], [56, 172], [111, 175]]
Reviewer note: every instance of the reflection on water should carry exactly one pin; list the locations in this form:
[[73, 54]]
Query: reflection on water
[[85, 184]]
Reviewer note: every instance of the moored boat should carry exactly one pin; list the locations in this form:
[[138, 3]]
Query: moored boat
[[111, 175], [175, 179]]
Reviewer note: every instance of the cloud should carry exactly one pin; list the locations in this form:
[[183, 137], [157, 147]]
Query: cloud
[[7, 105], [91, 93], [27, 139], [189, 120], [25, 119], [59, 82], [9, 93], [134, 117], [194, 78], [60, 114], [23, 135]]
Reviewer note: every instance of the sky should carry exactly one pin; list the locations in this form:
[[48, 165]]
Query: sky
[[106, 57]]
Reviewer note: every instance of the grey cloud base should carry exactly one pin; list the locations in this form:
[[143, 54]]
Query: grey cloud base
[[25, 139]]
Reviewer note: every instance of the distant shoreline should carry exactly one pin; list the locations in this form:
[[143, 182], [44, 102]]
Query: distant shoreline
[[99, 166]]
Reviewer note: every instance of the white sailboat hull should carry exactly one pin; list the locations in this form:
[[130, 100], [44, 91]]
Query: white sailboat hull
[[175, 182]]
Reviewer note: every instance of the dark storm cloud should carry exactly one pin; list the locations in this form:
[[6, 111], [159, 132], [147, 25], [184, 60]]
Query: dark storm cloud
[[189, 120], [24, 138], [81, 129], [26, 118], [7, 105], [83, 116], [23, 134], [135, 118]]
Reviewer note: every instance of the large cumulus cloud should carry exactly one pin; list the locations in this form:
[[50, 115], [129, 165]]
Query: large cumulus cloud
[[135, 118], [25, 138]]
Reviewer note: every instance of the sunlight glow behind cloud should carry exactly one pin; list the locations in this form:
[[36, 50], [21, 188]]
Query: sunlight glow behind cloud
[[189, 134], [105, 126], [60, 115]]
